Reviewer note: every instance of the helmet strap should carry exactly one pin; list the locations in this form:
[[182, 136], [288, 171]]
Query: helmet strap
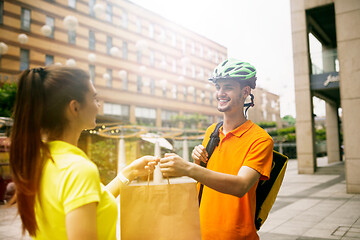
[[250, 104]]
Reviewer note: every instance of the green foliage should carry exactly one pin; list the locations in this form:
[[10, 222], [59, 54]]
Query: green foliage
[[289, 119], [267, 124], [103, 154], [320, 134], [189, 120], [7, 99]]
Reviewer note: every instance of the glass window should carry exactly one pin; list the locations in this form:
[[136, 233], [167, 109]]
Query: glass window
[[211, 98], [25, 19], [72, 3], [49, 59], [184, 45], [138, 26], [125, 50], [152, 58], [1, 12], [139, 84], [24, 59], [185, 93], [109, 12], [116, 109], [152, 87], [124, 19], [143, 112], [174, 40], [91, 7], [91, 40], [151, 30], [72, 37], [125, 82], [109, 81], [139, 55], [50, 21], [108, 44], [92, 73], [174, 92], [174, 65]]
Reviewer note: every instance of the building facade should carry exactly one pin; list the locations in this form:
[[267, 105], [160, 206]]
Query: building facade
[[331, 74], [147, 70]]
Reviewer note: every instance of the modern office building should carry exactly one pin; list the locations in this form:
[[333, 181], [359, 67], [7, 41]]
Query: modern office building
[[326, 47]]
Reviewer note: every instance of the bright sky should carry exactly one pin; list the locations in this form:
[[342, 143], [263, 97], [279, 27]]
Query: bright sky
[[257, 31]]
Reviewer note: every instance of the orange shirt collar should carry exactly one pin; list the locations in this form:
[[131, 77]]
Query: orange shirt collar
[[240, 130]]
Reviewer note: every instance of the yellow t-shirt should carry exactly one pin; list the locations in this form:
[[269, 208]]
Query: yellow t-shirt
[[69, 182], [223, 216]]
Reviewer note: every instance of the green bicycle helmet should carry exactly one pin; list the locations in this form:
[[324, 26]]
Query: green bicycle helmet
[[235, 70]]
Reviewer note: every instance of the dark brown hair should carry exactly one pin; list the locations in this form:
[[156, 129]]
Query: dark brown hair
[[41, 99]]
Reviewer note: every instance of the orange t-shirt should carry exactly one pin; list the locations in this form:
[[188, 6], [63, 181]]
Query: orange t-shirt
[[223, 216]]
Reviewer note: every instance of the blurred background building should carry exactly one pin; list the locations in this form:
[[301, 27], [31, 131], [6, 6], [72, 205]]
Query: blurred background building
[[326, 48], [147, 69]]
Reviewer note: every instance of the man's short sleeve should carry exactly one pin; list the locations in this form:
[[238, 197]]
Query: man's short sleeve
[[260, 157], [81, 185]]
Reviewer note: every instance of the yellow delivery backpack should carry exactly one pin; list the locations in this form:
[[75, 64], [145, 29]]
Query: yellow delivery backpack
[[267, 190]]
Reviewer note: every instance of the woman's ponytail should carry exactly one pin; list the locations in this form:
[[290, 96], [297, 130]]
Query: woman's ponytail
[[27, 151]]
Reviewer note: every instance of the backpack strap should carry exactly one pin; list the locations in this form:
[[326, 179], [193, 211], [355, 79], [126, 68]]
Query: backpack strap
[[212, 144]]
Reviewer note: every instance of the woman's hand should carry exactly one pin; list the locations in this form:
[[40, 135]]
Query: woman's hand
[[199, 154], [140, 167], [174, 166]]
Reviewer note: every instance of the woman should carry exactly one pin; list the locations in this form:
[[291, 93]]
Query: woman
[[58, 189]]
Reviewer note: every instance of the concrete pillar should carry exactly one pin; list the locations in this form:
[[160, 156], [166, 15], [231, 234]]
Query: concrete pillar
[[304, 120], [348, 42], [121, 155], [158, 118], [332, 133], [132, 117], [185, 150]]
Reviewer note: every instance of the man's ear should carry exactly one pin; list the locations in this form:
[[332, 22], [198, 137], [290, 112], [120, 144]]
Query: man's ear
[[246, 91]]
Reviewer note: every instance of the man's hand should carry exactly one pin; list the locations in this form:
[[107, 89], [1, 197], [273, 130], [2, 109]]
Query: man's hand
[[174, 166], [199, 154]]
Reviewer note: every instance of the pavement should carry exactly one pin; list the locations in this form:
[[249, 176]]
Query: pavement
[[308, 207]]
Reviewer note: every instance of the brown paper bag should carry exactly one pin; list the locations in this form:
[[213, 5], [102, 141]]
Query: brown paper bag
[[160, 211]]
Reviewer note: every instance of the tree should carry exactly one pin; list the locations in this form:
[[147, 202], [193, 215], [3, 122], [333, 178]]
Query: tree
[[7, 99], [289, 119]]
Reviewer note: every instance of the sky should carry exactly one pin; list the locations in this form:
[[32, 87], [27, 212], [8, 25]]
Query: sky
[[256, 31]]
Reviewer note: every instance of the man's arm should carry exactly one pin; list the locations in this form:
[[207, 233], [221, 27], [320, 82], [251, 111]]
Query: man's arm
[[239, 185]]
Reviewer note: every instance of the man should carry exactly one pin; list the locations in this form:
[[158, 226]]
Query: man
[[243, 156]]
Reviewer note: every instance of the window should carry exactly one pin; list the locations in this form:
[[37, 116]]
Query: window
[[117, 110], [1, 12], [185, 93], [152, 87], [201, 50], [108, 44], [109, 12], [174, 65], [91, 40], [92, 73], [25, 19], [138, 53], [50, 21], [167, 118], [24, 59], [174, 92], [138, 26], [72, 3], [125, 50], [174, 40], [184, 45], [152, 58], [109, 81], [72, 37], [151, 30], [91, 7], [125, 82], [145, 116], [49, 59], [139, 84], [124, 19], [211, 98]]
